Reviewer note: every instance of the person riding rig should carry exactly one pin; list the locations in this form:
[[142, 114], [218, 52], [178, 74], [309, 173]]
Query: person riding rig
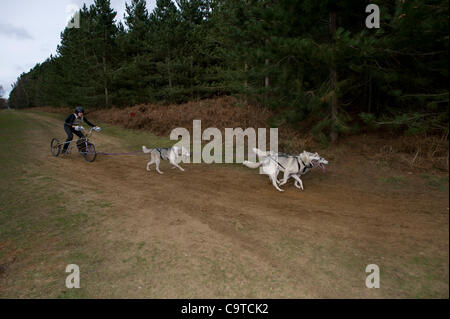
[[72, 126]]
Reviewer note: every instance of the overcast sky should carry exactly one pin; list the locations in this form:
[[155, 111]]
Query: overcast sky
[[30, 31]]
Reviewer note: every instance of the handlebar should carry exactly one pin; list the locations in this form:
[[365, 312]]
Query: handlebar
[[90, 130]]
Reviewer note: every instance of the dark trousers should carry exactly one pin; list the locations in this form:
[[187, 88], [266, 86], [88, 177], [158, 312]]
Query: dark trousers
[[70, 131]]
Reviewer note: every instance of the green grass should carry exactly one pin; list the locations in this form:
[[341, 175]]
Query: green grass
[[394, 180], [134, 139], [436, 182], [439, 183], [58, 116]]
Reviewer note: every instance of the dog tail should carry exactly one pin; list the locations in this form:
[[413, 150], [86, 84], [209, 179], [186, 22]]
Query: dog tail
[[146, 150], [252, 164], [260, 153]]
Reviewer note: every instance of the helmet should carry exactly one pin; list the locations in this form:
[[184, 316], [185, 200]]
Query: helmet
[[79, 109]]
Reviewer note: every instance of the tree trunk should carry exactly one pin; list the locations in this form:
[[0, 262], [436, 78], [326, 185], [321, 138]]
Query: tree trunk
[[168, 58], [191, 66], [333, 104], [246, 80], [105, 77], [168, 72], [266, 80], [369, 106], [106, 96], [333, 83], [105, 82]]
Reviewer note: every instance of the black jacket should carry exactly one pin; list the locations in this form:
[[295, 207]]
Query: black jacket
[[71, 118]]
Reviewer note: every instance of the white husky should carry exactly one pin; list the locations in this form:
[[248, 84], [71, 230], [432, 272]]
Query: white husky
[[293, 166], [172, 154], [269, 166]]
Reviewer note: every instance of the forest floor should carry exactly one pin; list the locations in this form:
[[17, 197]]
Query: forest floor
[[213, 231]]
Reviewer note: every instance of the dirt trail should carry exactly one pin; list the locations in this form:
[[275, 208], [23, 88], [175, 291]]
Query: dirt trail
[[223, 231]]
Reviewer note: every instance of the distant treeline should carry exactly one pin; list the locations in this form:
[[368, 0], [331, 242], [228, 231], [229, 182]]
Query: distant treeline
[[313, 62]]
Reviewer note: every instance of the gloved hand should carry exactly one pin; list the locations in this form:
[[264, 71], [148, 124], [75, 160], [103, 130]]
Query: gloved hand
[[97, 128], [78, 128]]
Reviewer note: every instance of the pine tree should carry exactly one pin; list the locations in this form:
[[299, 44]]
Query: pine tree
[[319, 74], [133, 80], [164, 38]]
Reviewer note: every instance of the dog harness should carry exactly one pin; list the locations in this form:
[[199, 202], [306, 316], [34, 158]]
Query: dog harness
[[276, 162], [160, 153], [305, 167]]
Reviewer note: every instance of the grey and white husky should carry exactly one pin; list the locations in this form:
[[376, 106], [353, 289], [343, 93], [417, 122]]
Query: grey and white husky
[[172, 154], [293, 166]]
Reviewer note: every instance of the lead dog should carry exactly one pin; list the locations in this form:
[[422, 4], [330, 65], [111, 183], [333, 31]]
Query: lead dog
[[172, 154], [269, 166], [313, 160], [292, 165]]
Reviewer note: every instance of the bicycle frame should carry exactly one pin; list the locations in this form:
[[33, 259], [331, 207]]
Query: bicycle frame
[[85, 147], [84, 139]]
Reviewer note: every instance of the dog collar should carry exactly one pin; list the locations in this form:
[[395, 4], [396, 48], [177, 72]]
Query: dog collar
[[304, 166]]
